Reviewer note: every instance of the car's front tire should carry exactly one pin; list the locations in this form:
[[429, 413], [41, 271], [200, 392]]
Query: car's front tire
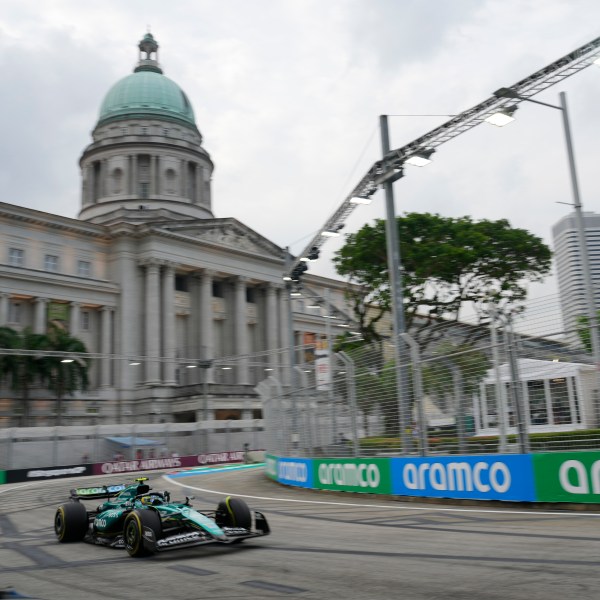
[[71, 522], [234, 512], [133, 531]]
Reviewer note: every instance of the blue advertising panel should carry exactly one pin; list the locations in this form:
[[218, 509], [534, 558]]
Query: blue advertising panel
[[491, 477], [295, 471]]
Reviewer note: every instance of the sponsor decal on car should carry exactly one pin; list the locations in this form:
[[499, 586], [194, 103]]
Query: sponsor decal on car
[[175, 540]]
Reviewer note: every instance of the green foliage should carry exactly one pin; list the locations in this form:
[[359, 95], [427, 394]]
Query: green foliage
[[583, 331], [36, 365], [22, 371], [66, 378], [446, 262]]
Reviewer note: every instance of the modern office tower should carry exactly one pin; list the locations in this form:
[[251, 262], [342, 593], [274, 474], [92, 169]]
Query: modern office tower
[[567, 257]]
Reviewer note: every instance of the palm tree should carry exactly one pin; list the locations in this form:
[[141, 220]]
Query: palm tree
[[66, 375], [22, 370]]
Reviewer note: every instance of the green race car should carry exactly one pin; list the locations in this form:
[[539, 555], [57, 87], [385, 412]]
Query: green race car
[[144, 522]]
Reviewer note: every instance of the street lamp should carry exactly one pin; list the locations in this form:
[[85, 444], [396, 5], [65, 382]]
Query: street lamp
[[585, 261]]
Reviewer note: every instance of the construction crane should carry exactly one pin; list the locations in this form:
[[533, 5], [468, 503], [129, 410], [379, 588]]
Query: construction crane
[[390, 167]]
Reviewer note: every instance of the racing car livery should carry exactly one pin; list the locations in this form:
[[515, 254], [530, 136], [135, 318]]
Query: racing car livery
[[144, 521]]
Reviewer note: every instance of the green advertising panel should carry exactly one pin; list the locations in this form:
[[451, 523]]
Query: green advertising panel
[[271, 466], [567, 477], [2, 477], [369, 475]]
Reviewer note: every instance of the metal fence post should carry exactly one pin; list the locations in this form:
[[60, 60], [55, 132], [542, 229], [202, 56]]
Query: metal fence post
[[351, 386], [419, 396]]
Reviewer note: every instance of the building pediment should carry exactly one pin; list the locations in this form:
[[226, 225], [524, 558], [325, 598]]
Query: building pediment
[[227, 233]]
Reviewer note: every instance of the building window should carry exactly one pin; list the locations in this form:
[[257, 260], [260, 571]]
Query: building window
[[181, 283], [250, 295], [217, 289], [560, 401], [117, 181], [84, 318], [144, 131], [16, 257], [84, 268], [51, 263], [14, 313], [165, 131], [123, 130]]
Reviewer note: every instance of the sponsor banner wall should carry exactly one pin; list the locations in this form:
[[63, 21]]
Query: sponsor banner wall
[[372, 475], [271, 466], [295, 471], [20, 475], [567, 477], [2, 477], [492, 477], [175, 462]]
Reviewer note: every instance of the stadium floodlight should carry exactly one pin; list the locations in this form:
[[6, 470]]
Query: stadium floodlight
[[502, 117], [420, 158]]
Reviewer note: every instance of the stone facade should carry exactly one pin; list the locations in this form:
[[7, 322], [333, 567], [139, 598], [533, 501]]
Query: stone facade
[[151, 282]]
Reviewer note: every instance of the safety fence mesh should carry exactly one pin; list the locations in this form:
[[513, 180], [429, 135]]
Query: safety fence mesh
[[474, 390]]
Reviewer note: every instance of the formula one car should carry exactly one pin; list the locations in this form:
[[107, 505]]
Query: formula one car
[[144, 522]]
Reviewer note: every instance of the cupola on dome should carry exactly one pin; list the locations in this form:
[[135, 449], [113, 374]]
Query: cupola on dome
[[147, 93]]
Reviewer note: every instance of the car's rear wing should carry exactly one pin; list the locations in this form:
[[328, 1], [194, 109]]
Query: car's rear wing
[[102, 491]]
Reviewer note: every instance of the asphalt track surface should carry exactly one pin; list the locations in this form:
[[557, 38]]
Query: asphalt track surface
[[322, 546]]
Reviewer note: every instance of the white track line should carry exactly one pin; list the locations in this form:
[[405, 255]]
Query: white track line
[[436, 508]]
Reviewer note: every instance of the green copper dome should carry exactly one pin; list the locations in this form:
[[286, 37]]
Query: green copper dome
[[147, 93]]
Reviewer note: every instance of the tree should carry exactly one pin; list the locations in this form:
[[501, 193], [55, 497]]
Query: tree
[[23, 369], [583, 331], [446, 263], [65, 378]]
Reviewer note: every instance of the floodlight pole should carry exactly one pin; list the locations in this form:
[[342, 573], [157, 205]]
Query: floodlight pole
[[585, 260], [292, 358], [395, 276]]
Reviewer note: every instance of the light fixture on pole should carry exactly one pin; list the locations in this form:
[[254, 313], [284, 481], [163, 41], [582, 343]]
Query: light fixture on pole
[[502, 117], [360, 200], [585, 260], [420, 158]]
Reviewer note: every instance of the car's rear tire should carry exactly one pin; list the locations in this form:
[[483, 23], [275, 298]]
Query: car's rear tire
[[133, 531], [234, 512], [71, 522]]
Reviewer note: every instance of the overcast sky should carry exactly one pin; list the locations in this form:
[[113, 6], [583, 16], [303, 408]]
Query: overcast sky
[[288, 93]]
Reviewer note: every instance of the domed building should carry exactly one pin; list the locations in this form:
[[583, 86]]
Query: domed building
[[183, 313]]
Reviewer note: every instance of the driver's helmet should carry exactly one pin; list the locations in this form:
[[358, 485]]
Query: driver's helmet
[[152, 500]]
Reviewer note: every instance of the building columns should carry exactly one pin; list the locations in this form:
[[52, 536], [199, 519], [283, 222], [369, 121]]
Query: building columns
[[169, 324], [241, 329], [152, 323], [271, 325], [74, 319], [206, 321], [106, 345], [39, 323], [4, 302]]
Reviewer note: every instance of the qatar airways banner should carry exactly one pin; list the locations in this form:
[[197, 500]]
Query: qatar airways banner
[[173, 462], [491, 477]]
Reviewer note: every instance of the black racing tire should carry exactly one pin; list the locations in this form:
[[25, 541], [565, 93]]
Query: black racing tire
[[234, 512], [133, 531], [71, 522]]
